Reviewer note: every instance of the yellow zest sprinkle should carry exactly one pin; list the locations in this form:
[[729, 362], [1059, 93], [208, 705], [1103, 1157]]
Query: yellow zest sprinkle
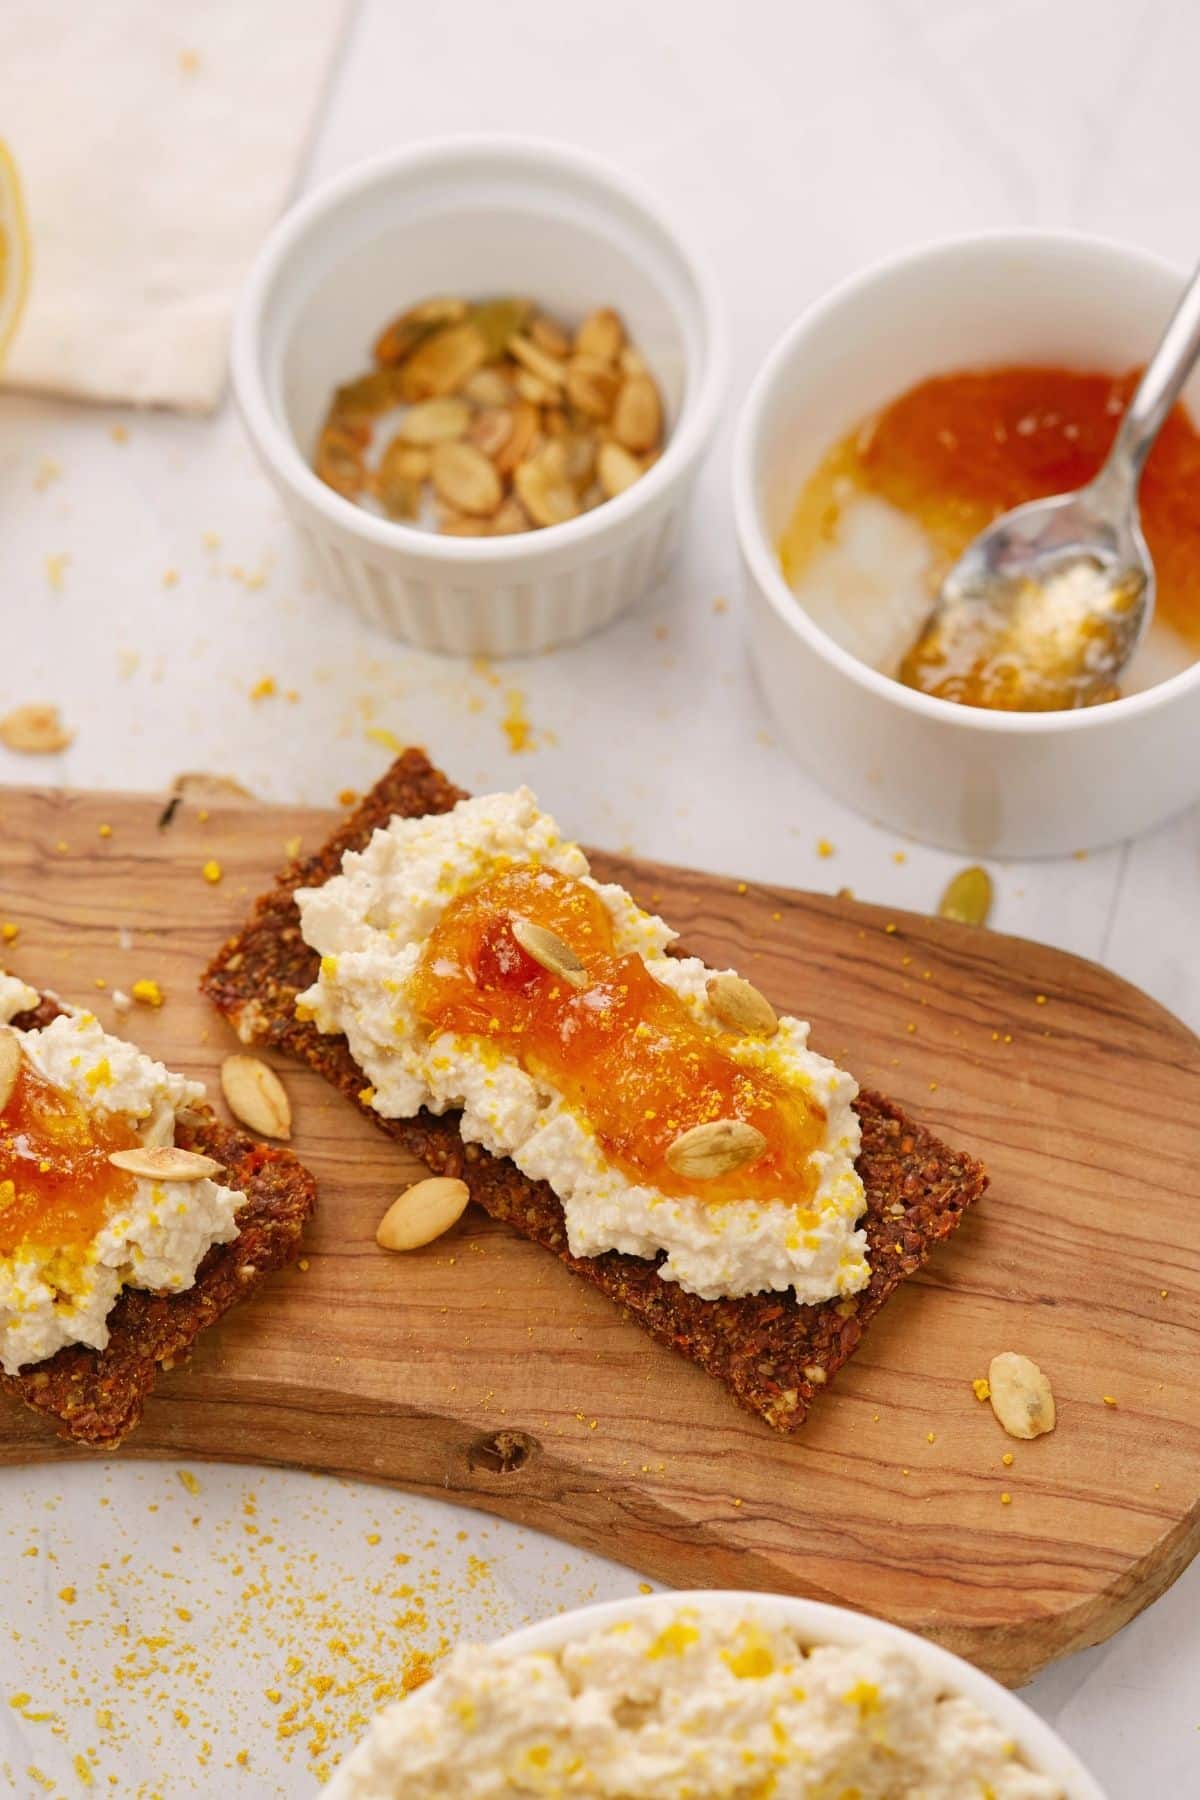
[[891, 930], [1007, 1459], [930, 1437], [741, 887], [1108, 1399], [1039, 999], [673, 1640], [104, 831], [303, 1013], [170, 577], [9, 932], [824, 847], [212, 870], [347, 797], [188, 1480], [379, 734], [67, 1596], [982, 1387], [864, 1695], [1006, 1499], [147, 992], [264, 689]]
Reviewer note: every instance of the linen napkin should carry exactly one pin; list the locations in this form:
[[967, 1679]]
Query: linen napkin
[[155, 143]]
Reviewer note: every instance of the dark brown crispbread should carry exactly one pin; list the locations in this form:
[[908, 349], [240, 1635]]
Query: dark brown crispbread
[[96, 1396], [770, 1352]]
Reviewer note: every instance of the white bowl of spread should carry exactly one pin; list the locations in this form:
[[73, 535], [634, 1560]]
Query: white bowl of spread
[[979, 781], [711, 1693], [476, 217]]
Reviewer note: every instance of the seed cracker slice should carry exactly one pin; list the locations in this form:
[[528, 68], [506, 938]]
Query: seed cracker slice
[[771, 1353], [96, 1397]]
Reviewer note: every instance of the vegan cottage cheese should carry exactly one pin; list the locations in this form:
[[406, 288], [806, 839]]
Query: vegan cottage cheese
[[370, 924], [680, 1703], [51, 1296]]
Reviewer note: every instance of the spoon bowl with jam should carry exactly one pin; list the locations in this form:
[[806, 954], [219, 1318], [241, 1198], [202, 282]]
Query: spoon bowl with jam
[[1046, 608]]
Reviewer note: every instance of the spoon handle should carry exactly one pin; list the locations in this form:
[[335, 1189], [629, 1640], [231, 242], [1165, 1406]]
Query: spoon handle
[[1156, 393]]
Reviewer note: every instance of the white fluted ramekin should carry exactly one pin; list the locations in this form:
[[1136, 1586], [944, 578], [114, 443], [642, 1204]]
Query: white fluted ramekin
[[814, 1623], [987, 783], [475, 216]]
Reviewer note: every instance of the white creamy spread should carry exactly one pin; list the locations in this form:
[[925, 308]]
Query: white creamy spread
[[370, 924], [51, 1297], [682, 1704]]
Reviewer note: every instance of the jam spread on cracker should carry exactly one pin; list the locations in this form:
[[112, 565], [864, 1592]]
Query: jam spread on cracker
[[57, 1186], [527, 961]]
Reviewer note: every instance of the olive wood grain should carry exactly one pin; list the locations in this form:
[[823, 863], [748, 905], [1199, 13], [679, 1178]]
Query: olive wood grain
[[481, 1371]]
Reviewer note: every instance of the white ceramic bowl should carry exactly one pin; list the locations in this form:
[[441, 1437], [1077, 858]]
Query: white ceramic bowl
[[1002, 784], [816, 1623], [475, 216]]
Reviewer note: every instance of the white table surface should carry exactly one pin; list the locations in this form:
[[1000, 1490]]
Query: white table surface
[[797, 142]]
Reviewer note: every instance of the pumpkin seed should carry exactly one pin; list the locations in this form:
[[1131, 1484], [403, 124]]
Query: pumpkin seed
[[531, 387], [968, 896], [617, 469], [490, 387], [601, 335], [375, 393], [443, 361], [738, 1004], [256, 1097], [591, 386], [521, 439], [407, 462], [35, 730], [716, 1148], [547, 369], [510, 518], [435, 422], [550, 336], [422, 1213], [164, 1162], [404, 333], [498, 321], [339, 461], [1020, 1395], [543, 488], [637, 419], [491, 429], [398, 490], [10, 1065], [463, 476], [549, 951]]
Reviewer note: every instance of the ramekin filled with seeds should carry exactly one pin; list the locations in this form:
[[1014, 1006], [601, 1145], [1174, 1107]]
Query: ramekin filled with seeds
[[483, 374]]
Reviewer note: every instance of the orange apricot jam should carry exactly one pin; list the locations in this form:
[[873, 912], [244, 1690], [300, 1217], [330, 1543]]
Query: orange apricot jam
[[625, 1052], [956, 451], [57, 1186]]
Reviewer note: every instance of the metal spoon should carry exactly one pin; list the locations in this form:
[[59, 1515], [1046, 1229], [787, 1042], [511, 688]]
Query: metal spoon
[[1047, 606]]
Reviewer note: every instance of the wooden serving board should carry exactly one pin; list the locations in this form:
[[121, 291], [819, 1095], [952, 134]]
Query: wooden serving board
[[481, 1371]]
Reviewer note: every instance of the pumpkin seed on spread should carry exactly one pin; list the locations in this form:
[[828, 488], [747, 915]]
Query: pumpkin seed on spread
[[738, 1004], [716, 1148], [163, 1162], [10, 1065], [968, 896], [549, 951]]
